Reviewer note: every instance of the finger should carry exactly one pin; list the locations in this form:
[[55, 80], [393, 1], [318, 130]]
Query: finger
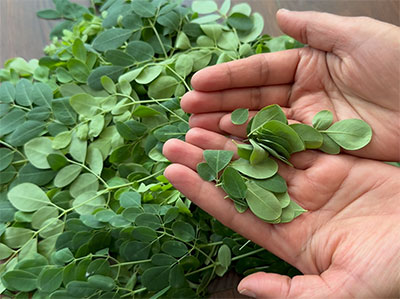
[[252, 98], [178, 151], [208, 121], [271, 285], [209, 140], [220, 123], [258, 70], [319, 30]]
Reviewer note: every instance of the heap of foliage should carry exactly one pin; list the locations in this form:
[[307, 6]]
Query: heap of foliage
[[84, 208], [252, 181]]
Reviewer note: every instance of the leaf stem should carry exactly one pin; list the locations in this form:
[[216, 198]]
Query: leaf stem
[[91, 171], [179, 76], [170, 111], [131, 263], [13, 148], [159, 39], [238, 257]]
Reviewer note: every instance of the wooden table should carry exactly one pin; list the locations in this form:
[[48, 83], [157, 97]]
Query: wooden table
[[23, 34]]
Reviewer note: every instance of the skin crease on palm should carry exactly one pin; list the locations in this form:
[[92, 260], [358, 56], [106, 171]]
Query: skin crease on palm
[[347, 244]]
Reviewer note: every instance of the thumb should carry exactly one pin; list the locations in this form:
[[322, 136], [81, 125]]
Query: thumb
[[270, 285], [322, 31]]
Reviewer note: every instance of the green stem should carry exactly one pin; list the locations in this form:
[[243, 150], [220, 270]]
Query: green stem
[[13, 148], [131, 263], [170, 111], [247, 254], [138, 181], [91, 171], [233, 259], [159, 39], [20, 107], [179, 76], [201, 269]]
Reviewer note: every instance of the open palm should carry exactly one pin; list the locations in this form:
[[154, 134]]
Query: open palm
[[344, 71], [346, 245]]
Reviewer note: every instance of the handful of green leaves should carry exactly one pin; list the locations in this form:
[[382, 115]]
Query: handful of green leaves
[[252, 181]]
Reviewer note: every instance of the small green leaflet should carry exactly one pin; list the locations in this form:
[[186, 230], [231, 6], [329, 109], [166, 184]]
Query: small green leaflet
[[283, 130], [205, 172], [274, 184], [240, 116], [272, 112], [351, 134], [233, 183], [322, 120], [28, 197], [258, 154], [111, 39], [217, 159], [310, 136], [263, 170], [144, 8], [6, 157], [204, 6], [263, 203]]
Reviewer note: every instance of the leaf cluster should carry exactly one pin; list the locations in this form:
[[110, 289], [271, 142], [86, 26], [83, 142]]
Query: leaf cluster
[[84, 209], [252, 181]]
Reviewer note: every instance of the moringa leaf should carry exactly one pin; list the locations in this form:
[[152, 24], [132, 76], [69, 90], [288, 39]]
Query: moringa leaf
[[322, 120], [67, 175], [144, 8], [7, 92], [263, 203], [240, 21], [217, 159], [282, 130], [266, 114], [6, 157], [37, 150], [258, 154], [351, 134], [263, 170], [311, 137], [10, 121], [205, 172], [149, 74], [27, 197], [274, 184], [140, 50], [111, 39], [84, 104], [23, 91], [163, 87], [233, 183], [111, 71], [239, 116]]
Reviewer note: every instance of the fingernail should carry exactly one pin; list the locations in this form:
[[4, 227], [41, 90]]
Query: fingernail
[[283, 10], [248, 293]]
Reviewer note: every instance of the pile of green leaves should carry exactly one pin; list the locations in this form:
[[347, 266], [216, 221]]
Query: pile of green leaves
[[252, 181], [84, 208]]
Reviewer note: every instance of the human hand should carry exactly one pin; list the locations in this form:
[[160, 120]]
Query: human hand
[[347, 245], [350, 68]]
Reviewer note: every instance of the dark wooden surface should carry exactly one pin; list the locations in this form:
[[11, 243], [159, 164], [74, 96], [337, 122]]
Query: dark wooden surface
[[23, 34]]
